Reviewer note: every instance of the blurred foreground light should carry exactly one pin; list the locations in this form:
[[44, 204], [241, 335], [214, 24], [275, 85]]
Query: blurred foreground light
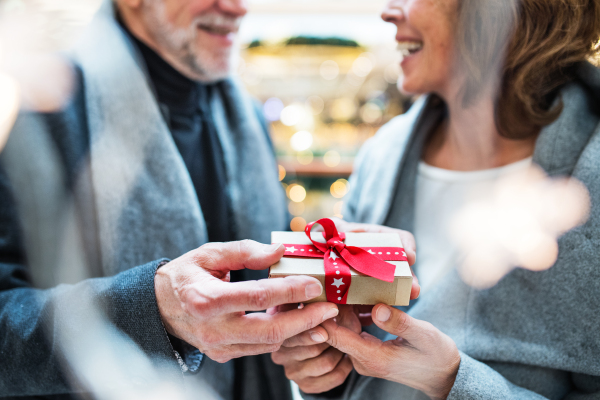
[[273, 108], [517, 225], [296, 209], [332, 158], [298, 224], [316, 104], [362, 66], [392, 73], [301, 141], [329, 70], [297, 193], [339, 188], [282, 172], [305, 157], [9, 106]]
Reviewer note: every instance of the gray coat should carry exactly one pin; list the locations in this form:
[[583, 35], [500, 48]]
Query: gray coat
[[98, 190], [535, 334]]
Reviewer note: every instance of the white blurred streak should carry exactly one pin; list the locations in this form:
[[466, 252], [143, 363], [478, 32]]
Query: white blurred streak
[[9, 106], [517, 225], [31, 34]]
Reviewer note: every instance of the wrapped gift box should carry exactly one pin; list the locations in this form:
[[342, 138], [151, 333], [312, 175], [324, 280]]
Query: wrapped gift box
[[363, 289]]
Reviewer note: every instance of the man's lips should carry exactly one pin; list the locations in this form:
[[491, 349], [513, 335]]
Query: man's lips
[[218, 30]]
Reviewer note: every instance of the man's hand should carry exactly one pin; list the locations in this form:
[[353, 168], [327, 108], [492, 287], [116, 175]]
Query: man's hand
[[199, 305], [311, 362]]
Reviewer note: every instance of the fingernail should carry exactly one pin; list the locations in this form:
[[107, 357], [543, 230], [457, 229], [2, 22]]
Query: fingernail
[[333, 312], [272, 248], [383, 314], [317, 337], [313, 290]]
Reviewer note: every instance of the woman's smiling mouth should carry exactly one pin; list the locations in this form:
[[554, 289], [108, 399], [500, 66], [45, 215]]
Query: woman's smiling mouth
[[407, 48]]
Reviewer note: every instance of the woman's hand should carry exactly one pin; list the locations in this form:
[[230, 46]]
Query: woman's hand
[[311, 362], [422, 357]]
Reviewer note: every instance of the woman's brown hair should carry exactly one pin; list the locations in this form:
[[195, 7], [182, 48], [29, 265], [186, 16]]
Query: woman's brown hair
[[533, 46]]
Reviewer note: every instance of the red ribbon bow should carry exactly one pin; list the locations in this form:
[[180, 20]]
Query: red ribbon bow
[[338, 258]]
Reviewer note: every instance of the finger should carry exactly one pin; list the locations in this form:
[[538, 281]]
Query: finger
[[399, 323], [219, 297], [225, 353], [415, 289], [287, 355], [348, 341], [242, 254], [328, 381], [348, 318], [365, 319], [264, 328], [282, 308], [308, 338], [317, 366]]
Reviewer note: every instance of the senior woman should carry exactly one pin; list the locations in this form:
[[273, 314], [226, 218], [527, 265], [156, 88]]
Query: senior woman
[[507, 84]]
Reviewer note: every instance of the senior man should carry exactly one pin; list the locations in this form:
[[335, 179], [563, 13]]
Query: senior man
[[158, 152]]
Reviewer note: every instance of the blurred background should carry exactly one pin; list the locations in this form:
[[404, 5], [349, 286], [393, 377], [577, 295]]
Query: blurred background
[[324, 70], [326, 73]]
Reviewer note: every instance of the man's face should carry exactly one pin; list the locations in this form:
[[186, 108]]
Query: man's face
[[196, 35]]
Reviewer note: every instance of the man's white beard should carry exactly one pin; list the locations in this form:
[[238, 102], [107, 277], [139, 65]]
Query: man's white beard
[[204, 64]]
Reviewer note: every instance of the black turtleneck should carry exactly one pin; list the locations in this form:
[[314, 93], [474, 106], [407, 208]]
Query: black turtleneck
[[185, 105]]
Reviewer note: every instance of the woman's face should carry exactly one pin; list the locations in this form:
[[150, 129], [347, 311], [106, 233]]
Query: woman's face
[[425, 36]]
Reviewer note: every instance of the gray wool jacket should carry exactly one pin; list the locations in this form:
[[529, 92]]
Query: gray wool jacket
[[534, 335], [93, 199]]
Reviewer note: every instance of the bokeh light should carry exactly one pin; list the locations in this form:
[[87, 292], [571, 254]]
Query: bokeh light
[[339, 188], [273, 108], [297, 193], [305, 157], [371, 113], [298, 224], [362, 66], [282, 172], [332, 158], [329, 70], [343, 109], [517, 225], [315, 104], [301, 140], [296, 209]]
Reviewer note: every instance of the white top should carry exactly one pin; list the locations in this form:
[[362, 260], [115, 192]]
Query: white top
[[440, 193]]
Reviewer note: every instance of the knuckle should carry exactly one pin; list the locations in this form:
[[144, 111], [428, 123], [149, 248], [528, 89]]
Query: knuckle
[[402, 324], [274, 334], [260, 298], [245, 248]]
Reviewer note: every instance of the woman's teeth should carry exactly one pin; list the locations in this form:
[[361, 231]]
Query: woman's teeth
[[408, 48]]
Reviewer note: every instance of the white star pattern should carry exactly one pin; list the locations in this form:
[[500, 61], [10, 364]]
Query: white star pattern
[[370, 251], [404, 253], [291, 249], [333, 256], [338, 282]]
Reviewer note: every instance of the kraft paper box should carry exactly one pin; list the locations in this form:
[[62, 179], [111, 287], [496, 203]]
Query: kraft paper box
[[363, 289]]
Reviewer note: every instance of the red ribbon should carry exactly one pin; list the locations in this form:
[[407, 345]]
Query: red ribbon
[[338, 258]]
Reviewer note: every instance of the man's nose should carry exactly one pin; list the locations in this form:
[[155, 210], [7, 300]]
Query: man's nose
[[237, 8], [394, 11]]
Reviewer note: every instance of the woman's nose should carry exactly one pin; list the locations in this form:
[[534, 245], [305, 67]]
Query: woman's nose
[[393, 12]]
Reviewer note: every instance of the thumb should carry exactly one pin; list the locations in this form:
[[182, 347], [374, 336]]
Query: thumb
[[398, 323], [238, 255]]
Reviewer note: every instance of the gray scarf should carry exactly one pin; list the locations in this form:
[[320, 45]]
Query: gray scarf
[[147, 206]]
